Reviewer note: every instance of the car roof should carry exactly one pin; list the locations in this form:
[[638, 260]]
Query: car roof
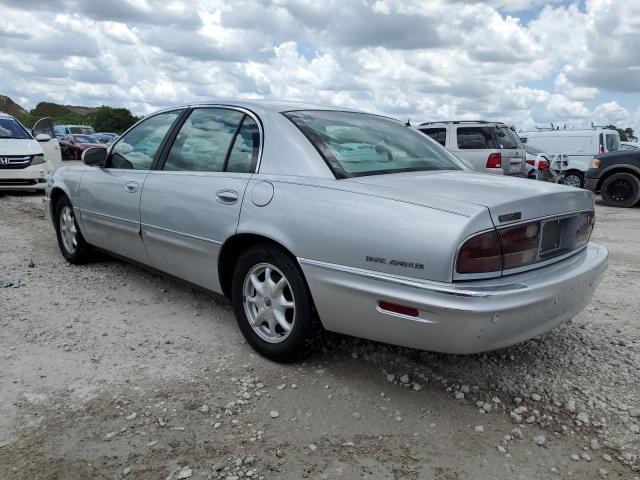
[[272, 105], [484, 123]]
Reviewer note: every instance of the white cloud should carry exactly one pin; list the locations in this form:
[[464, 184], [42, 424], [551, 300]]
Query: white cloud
[[408, 58]]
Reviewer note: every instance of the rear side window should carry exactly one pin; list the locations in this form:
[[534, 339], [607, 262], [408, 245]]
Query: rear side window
[[438, 134], [244, 153], [204, 140], [479, 138]]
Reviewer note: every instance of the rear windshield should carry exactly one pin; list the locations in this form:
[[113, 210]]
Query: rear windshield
[[10, 128], [359, 144], [487, 138], [82, 130]]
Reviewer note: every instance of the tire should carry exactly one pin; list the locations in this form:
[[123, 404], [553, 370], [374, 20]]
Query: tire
[[574, 178], [621, 190], [268, 337], [72, 244]]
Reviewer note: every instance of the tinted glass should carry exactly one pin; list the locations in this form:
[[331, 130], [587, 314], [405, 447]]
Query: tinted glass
[[10, 128], [84, 139], [138, 148], [82, 130], [357, 144], [204, 140], [613, 142], [438, 134], [244, 154], [476, 138], [506, 138]]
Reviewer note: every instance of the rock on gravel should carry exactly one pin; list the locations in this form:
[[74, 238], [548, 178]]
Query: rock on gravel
[[274, 414], [540, 440], [186, 472]]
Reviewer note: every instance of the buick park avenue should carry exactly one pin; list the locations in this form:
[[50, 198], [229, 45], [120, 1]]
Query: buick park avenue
[[308, 217]]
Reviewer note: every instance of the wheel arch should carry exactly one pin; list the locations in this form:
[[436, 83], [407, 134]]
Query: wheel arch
[[56, 193], [231, 250], [617, 169]]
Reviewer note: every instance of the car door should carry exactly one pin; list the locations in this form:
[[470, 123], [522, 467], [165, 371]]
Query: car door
[[110, 195], [191, 202], [51, 147]]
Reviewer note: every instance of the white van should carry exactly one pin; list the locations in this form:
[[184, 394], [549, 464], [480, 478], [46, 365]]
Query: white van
[[578, 145], [25, 162]]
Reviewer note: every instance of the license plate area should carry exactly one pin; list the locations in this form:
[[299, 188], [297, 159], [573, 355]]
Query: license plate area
[[555, 239]]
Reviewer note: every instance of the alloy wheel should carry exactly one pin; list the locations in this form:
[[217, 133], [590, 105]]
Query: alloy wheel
[[268, 303], [68, 230]]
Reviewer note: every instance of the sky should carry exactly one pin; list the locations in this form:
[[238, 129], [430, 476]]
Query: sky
[[524, 62]]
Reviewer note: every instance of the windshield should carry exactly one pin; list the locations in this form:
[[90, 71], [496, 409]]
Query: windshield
[[84, 139], [359, 144], [82, 130], [10, 128]]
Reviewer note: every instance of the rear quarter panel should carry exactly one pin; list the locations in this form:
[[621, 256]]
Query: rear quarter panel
[[320, 220]]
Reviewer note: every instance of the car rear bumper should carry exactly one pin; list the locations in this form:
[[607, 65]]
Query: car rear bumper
[[460, 317]]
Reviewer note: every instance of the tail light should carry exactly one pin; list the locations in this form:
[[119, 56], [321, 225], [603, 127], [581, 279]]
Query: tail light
[[480, 254], [494, 160], [587, 220], [542, 164], [519, 245], [507, 248]]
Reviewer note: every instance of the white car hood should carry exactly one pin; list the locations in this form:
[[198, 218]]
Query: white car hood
[[16, 146]]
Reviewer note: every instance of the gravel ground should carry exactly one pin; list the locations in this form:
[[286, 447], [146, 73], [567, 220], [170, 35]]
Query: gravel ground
[[109, 371]]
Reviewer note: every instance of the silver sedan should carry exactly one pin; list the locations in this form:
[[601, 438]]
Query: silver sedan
[[310, 217]]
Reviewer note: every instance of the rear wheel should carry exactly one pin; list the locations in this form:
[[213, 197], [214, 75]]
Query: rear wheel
[[72, 244], [621, 190], [574, 178], [272, 304]]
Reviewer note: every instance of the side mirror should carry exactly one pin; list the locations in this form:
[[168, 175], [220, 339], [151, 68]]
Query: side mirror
[[95, 157], [43, 137]]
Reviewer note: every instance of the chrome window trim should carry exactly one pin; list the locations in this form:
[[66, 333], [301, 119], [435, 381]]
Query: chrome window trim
[[488, 291]]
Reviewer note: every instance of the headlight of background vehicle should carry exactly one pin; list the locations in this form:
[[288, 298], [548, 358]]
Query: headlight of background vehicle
[[595, 163], [37, 159]]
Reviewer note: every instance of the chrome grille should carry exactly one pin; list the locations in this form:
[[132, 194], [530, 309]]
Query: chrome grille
[[11, 161]]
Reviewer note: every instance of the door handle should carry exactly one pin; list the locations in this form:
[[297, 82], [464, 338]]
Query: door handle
[[132, 187], [228, 197]]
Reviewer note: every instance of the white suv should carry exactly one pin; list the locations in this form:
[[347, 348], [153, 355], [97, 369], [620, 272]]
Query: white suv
[[25, 162], [490, 147]]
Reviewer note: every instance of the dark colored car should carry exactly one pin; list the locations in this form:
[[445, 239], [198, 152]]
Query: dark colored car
[[72, 146], [616, 176]]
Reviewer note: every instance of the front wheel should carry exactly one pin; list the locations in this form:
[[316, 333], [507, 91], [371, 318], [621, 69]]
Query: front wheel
[[72, 244], [272, 304], [574, 179], [621, 190]]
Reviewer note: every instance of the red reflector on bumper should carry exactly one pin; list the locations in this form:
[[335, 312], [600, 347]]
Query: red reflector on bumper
[[401, 309]]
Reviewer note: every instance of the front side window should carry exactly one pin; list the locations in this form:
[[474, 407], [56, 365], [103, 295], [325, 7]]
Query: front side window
[[138, 147], [438, 134], [476, 138], [359, 144], [204, 140], [613, 142], [10, 128]]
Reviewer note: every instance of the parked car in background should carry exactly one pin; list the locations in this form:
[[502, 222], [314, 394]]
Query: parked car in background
[[62, 130], [629, 146], [545, 167], [103, 137], [617, 177], [74, 145], [24, 164], [244, 198], [490, 147], [579, 145]]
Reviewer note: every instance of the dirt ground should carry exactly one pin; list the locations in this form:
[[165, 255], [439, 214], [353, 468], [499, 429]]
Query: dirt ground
[[108, 371]]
